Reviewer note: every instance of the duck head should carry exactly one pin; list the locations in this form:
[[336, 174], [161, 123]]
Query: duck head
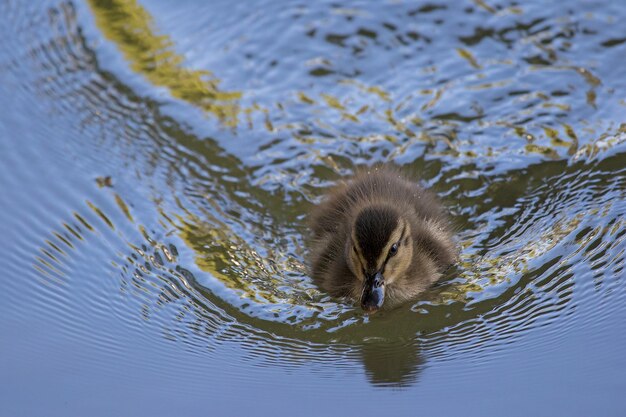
[[379, 252]]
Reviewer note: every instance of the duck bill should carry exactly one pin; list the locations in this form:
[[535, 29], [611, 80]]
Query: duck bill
[[373, 294]]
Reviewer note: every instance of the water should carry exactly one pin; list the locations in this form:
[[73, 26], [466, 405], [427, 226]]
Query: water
[[158, 161]]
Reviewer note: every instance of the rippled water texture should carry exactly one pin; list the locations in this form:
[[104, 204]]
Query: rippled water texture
[[158, 160]]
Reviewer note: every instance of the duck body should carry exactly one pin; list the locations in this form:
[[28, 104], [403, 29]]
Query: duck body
[[379, 239]]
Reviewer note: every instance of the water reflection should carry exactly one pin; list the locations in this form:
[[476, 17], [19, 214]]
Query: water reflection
[[395, 365], [131, 27]]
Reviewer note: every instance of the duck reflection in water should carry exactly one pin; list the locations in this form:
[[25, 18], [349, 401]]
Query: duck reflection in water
[[392, 364]]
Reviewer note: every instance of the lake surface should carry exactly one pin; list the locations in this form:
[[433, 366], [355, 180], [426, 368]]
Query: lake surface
[[158, 160]]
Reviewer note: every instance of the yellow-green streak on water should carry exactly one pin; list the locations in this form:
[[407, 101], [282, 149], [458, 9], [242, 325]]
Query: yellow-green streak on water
[[131, 28]]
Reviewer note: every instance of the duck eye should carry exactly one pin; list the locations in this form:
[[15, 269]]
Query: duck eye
[[393, 250]]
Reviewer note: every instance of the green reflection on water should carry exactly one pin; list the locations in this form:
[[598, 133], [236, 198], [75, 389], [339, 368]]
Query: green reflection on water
[[131, 28]]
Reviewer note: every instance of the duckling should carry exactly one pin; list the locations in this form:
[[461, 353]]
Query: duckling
[[379, 239]]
